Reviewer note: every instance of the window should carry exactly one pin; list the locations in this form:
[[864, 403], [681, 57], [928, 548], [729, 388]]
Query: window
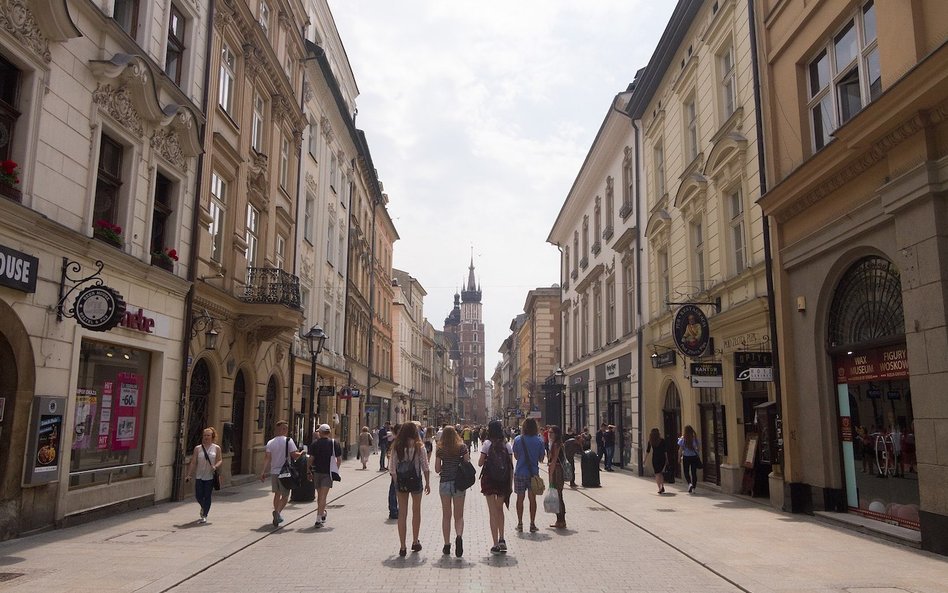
[[610, 208], [728, 88], [628, 299], [228, 74], [610, 310], [664, 278], [697, 250], [304, 301], [597, 315], [253, 221], [308, 211], [597, 224], [844, 76], [125, 14], [738, 247], [585, 237], [217, 210], [333, 168], [584, 339], [691, 129], [264, 18], [9, 95], [342, 249], [174, 58], [331, 241], [110, 414], [575, 251], [108, 181], [566, 342], [658, 156], [314, 140], [256, 127], [162, 225], [628, 189], [284, 163], [566, 261], [280, 252]]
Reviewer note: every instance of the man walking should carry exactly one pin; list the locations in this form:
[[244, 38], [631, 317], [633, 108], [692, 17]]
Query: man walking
[[383, 441], [322, 451], [273, 460], [609, 440], [600, 442]]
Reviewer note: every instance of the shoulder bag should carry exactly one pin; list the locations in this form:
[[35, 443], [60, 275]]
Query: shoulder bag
[[289, 476], [465, 476], [537, 485], [333, 464], [217, 477]]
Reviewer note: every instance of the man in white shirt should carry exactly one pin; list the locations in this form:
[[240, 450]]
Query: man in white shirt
[[273, 461]]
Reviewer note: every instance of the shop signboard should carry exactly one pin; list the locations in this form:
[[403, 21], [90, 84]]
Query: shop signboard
[[612, 369], [691, 331], [43, 452], [880, 364], [18, 270], [99, 308], [748, 365], [707, 374], [667, 358]]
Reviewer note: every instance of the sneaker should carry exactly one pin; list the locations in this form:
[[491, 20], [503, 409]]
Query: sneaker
[[325, 514], [534, 528], [276, 519], [691, 489], [416, 547], [519, 527], [446, 549], [495, 550], [502, 546], [402, 552], [458, 546], [318, 524], [203, 519]]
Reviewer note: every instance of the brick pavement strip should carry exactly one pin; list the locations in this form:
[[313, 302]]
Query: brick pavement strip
[[621, 536]]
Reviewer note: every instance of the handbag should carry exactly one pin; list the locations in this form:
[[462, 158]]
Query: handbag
[[466, 476], [333, 464], [551, 502], [569, 473], [217, 477], [289, 476], [537, 485]]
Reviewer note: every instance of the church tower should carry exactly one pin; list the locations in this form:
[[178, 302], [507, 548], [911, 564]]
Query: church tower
[[467, 325]]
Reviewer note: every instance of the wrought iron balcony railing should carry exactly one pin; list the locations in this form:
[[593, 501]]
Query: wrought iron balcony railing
[[272, 286]]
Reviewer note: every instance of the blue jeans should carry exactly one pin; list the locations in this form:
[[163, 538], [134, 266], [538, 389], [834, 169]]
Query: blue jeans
[[202, 492], [383, 448], [609, 452], [392, 501]]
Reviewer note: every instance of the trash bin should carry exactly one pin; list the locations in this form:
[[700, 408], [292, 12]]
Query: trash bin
[[590, 466], [305, 491]]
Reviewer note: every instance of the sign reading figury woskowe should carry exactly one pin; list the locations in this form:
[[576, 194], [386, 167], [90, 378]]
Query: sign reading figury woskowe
[[873, 365], [18, 270]]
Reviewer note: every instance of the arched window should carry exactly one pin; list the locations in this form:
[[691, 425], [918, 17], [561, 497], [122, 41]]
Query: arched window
[[867, 304], [270, 410], [197, 403]]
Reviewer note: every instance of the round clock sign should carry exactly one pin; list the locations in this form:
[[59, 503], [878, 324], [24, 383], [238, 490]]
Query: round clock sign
[[99, 308]]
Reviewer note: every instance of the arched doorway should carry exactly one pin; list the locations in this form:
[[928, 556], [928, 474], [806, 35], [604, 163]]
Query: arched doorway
[[237, 423], [671, 422], [866, 339], [199, 397], [270, 408], [8, 387]]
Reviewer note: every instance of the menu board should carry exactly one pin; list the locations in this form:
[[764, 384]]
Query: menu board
[[47, 443]]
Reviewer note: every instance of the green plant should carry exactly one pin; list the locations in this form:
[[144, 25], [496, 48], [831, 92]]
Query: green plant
[[165, 255], [105, 230], [8, 173]]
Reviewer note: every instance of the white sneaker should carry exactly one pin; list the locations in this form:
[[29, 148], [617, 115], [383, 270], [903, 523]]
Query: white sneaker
[[203, 519], [323, 519]]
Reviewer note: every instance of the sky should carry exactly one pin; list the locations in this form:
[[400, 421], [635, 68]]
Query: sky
[[478, 116]]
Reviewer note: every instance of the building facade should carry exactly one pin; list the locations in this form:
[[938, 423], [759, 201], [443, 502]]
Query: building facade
[[408, 335], [101, 105], [856, 102], [695, 114], [466, 324]]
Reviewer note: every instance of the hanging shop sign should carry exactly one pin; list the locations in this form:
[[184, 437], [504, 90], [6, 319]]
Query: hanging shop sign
[[18, 270], [878, 364], [99, 308], [691, 331], [707, 374], [325, 391], [751, 366], [667, 358]]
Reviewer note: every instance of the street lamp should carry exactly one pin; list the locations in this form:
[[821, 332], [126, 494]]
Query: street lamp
[[315, 339], [559, 379], [204, 322], [411, 404]]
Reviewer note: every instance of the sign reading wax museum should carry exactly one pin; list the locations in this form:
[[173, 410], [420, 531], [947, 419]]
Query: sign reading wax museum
[[691, 331], [707, 374], [99, 308], [18, 270], [879, 364]]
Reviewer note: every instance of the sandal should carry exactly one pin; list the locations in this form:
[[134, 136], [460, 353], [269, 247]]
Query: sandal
[[534, 528], [446, 550], [416, 547], [519, 526], [402, 552]]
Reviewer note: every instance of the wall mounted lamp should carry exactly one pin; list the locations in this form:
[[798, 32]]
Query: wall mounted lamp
[[205, 323]]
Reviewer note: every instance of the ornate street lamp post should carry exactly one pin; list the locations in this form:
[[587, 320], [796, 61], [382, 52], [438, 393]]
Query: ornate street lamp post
[[315, 339]]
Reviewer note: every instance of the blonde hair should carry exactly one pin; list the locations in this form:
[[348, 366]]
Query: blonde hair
[[450, 443]]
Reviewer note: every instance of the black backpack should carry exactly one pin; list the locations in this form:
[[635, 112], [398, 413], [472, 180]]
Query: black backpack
[[407, 478], [497, 467]]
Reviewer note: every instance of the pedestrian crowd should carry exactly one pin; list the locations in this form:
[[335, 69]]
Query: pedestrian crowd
[[509, 462]]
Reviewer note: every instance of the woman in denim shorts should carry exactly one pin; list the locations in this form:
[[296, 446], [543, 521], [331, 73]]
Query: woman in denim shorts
[[451, 451]]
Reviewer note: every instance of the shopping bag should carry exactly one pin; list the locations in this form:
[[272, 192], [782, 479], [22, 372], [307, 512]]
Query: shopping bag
[[551, 501]]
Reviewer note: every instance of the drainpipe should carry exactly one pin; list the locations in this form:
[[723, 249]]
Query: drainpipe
[[636, 200], [180, 453]]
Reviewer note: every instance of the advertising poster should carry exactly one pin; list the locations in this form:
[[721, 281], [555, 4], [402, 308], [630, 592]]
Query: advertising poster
[[106, 416], [127, 400], [47, 443], [86, 404]]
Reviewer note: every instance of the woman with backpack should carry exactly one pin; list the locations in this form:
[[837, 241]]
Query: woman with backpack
[[529, 452], [408, 464], [557, 472], [496, 481], [451, 452]]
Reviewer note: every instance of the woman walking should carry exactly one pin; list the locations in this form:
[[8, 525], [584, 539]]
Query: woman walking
[[365, 445], [557, 473], [688, 447], [529, 451], [496, 481], [451, 452], [206, 459], [408, 464], [660, 460]]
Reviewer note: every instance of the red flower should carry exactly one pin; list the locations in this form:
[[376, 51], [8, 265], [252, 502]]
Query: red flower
[[173, 254]]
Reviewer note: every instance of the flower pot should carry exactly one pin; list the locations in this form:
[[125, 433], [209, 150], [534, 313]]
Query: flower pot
[[8, 191], [106, 237], [162, 262]]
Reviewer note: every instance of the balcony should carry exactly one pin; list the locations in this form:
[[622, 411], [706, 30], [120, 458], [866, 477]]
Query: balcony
[[272, 286], [625, 210]]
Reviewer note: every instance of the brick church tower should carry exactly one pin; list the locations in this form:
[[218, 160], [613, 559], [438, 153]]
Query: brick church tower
[[466, 326]]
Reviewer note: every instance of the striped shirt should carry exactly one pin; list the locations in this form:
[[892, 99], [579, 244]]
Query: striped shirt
[[450, 463]]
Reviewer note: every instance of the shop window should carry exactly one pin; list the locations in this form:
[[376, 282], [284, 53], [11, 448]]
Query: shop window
[[111, 414], [270, 409]]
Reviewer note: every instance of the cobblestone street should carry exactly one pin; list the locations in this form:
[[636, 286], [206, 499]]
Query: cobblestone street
[[620, 536]]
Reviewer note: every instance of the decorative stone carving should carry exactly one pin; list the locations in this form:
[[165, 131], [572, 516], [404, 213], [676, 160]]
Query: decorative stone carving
[[165, 141], [252, 60], [298, 138], [308, 93], [326, 127], [279, 107], [223, 17], [17, 19], [311, 182], [118, 104], [284, 19], [609, 183]]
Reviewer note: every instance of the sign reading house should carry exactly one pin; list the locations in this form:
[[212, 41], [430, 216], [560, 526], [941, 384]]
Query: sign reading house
[[18, 270]]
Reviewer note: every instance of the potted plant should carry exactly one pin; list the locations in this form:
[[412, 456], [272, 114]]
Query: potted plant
[[9, 179], [108, 232], [164, 258]]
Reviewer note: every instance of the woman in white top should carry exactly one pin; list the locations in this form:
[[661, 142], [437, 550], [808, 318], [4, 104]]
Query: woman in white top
[[206, 459], [408, 448]]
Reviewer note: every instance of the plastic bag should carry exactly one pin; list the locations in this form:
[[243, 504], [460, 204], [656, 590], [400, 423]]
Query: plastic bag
[[551, 501]]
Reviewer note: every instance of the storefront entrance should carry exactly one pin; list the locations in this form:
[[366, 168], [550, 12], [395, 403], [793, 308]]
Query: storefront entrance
[[671, 423], [237, 424], [874, 399]]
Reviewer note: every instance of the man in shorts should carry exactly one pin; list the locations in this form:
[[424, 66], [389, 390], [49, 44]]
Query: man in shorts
[[321, 452], [273, 460]]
